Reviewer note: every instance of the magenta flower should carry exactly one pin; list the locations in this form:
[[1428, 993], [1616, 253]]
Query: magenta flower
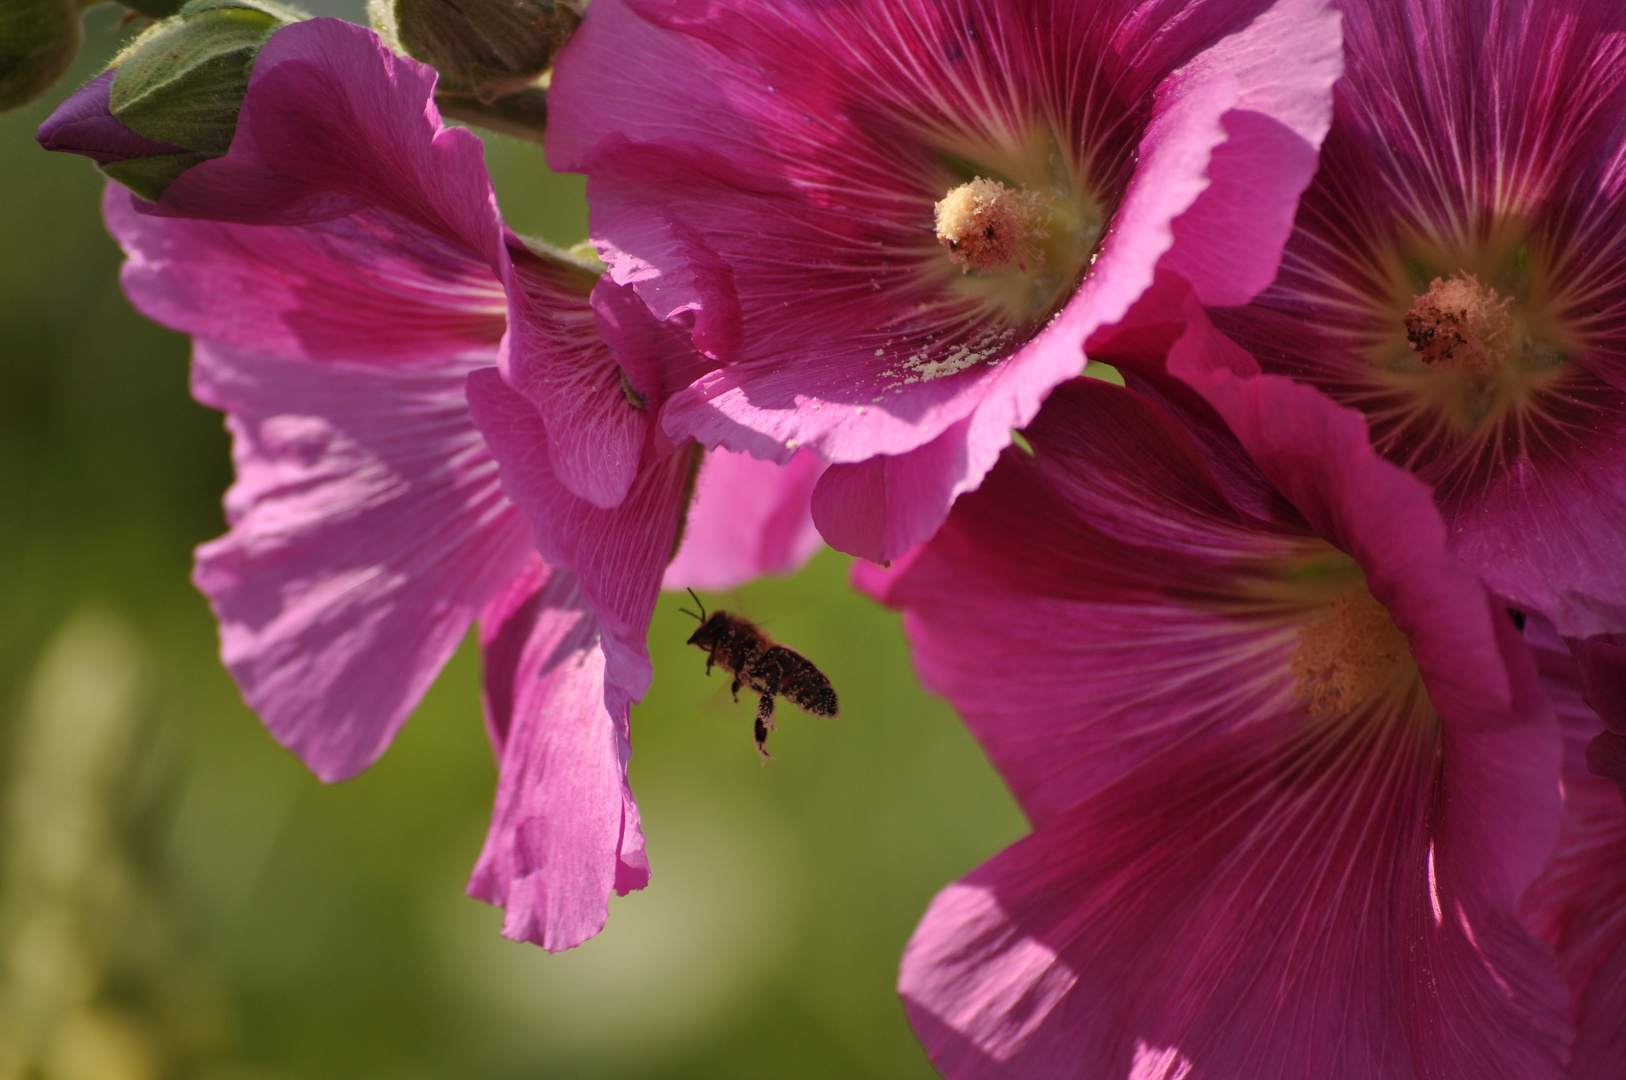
[[1457, 271], [352, 278], [891, 226], [1286, 760], [1579, 903]]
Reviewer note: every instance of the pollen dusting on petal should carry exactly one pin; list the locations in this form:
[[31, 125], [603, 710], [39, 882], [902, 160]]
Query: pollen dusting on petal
[[989, 227], [1460, 325], [1346, 658]]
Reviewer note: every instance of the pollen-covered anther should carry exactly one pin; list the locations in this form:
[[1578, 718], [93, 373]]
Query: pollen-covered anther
[[1460, 325], [1346, 658], [990, 227]]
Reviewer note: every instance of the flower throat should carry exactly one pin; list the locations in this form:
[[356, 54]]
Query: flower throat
[[1346, 658]]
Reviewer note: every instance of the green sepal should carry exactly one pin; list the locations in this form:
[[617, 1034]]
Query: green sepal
[[149, 176], [155, 9], [523, 115], [488, 48], [493, 56], [184, 79]]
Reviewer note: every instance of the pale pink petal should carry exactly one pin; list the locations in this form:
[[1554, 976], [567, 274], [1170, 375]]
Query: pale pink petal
[[367, 529], [564, 832], [335, 124], [618, 554], [1229, 242], [556, 358], [747, 518], [333, 115], [1276, 907], [658, 357], [880, 507], [367, 288]]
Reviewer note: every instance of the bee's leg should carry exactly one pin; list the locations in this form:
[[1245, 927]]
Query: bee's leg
[[735, 690], [711, 658], [764, 724]]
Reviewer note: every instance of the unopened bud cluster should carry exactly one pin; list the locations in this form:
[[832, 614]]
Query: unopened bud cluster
[[493, 56]]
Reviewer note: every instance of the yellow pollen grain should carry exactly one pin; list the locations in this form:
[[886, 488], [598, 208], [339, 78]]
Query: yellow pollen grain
[[1344, 659], [1460, 325], [989, 227]]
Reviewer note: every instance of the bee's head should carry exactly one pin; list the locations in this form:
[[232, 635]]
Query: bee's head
[[713, 630], [705, 635]]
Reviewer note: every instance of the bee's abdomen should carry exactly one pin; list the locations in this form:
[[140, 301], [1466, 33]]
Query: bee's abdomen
[[800, 683]]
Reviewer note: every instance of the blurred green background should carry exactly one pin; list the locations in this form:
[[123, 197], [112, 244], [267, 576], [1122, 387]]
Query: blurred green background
[[178, 897]]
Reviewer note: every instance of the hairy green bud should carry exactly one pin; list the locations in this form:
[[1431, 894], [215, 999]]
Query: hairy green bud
[[492, 55], [182, 83]]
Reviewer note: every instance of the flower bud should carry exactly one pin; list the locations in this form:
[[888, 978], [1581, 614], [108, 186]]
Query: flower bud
[[492, 55], [171, 99], [38, 40], [157, 9]]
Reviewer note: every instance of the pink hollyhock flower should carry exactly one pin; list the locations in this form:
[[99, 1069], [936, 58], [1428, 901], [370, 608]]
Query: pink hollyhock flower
[[1579, 903], [1457, 271], [1286, 760], [346, 277], [892, 225]]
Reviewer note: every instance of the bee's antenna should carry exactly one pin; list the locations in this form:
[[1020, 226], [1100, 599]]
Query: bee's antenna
[[698, 604]]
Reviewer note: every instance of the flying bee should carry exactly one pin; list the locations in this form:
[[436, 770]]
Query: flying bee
[[738, 647]]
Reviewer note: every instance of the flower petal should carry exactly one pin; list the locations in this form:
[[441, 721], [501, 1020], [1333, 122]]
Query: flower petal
[[1319, 456], [877, 509], [1579, 904], [84, 124], [1229, 243], [366, 288], [564, 832], [1469, 136], [333, 120], [748, 518], [1095, 577], [618, 554], [336, 125], [1272, 907], [367, 529], [556, 357]]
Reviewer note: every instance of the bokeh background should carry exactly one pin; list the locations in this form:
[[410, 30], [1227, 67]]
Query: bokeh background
[[178, 897]]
